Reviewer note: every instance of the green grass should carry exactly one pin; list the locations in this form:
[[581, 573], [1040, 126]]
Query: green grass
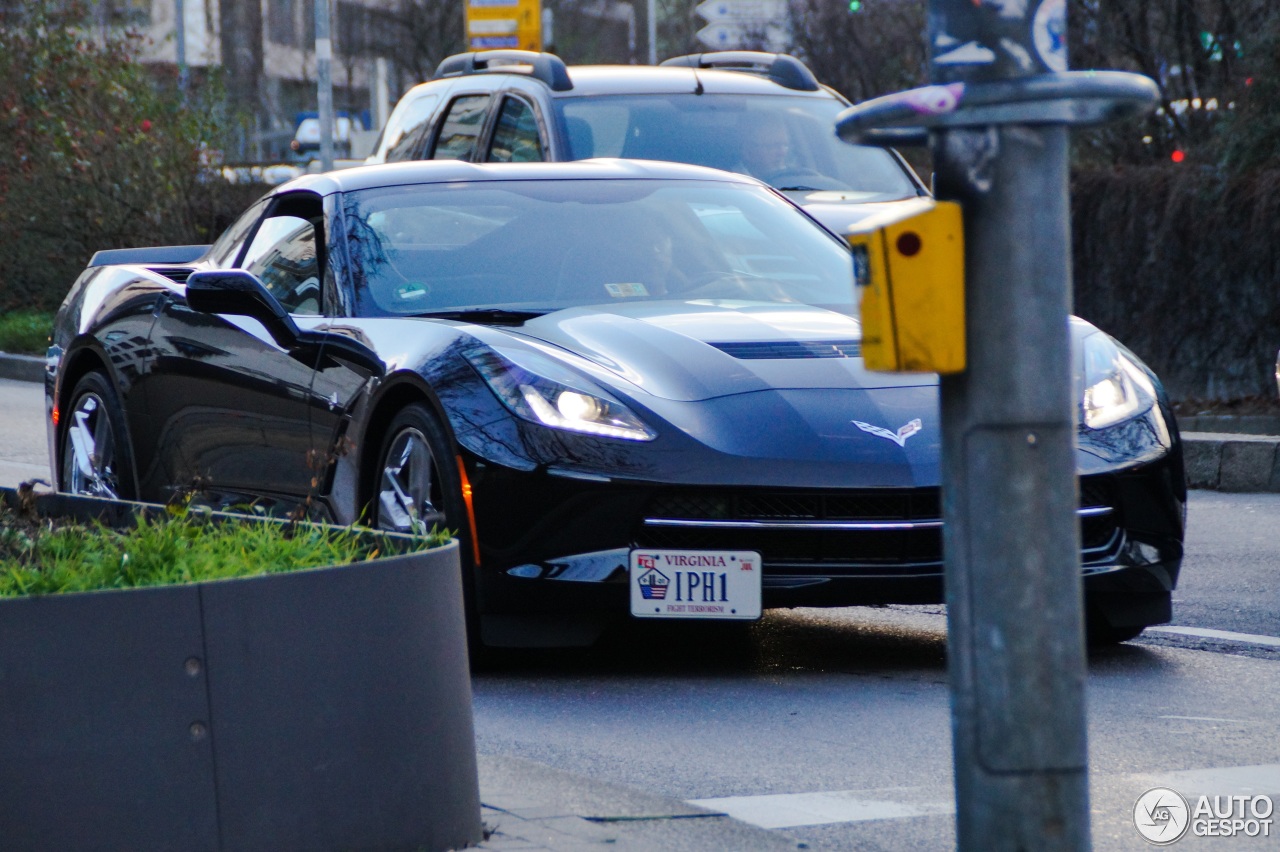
[[44, 558], [25, 332]]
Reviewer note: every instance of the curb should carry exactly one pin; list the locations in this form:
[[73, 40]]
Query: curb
[[21, 368], [1226, 461], [1234, 424]]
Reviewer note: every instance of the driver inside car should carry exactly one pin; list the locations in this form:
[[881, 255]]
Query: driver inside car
[[765, 147]]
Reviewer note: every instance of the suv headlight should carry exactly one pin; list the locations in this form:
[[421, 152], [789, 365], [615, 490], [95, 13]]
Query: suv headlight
[[1115, 389], [541, 391]]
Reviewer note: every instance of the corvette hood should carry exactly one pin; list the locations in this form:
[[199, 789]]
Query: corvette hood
[[697, 350]]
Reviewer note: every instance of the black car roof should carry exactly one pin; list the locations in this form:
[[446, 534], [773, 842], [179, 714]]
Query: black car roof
[[454, 171]]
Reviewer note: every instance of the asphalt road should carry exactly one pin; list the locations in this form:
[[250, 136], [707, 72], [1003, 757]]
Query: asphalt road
[[832, 726], [24, 452]]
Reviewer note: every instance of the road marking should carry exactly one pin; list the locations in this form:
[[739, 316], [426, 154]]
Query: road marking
[[1222, 635], [1223, 781], [1204, 719], [789, 810], [793, 810]]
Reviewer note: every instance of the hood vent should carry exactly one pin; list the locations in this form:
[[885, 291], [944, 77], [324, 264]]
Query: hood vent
[[173, 273], [790, 349]]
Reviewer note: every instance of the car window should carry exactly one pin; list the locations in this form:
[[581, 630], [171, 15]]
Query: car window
[[283, 256], [538, 245], [227, 247], [405, 129], [461, 128], [786, 141], [515, 138]]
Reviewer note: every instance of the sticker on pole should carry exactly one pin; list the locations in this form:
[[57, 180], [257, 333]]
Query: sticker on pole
[[704, 584], [1049, 31]]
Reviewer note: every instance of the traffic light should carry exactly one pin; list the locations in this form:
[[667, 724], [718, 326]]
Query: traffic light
[[855, 6]]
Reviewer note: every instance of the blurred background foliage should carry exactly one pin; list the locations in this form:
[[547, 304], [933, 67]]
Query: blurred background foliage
[[1176, 223], [99, 151]]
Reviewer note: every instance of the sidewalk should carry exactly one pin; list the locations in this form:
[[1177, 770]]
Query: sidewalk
[[528, 806]]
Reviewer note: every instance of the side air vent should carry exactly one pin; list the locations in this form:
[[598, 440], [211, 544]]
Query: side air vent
[[173, 273], [788, 349]]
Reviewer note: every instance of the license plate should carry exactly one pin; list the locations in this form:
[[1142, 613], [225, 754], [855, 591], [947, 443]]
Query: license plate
[[695, 584]]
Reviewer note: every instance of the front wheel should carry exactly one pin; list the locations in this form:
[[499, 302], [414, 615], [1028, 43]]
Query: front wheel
[[416, 486], [96, 460]]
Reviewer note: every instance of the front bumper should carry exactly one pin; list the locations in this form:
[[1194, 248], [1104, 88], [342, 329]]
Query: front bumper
[[557, 545]]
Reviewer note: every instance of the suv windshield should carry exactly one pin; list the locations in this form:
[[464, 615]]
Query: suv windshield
[[788, 142], [539, 246]]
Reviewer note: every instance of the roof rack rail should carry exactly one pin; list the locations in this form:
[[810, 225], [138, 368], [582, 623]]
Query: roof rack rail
[[546, 67], [781, 68]]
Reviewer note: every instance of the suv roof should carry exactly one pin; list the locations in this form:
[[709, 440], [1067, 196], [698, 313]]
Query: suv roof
[[778, 68]]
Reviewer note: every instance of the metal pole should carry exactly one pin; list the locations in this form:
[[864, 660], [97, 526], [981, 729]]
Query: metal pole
[[324, 84], [652, 11], [1012, 541], [180, 37]]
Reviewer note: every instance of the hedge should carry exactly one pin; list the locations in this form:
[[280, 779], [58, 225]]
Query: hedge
[[1183, 266]]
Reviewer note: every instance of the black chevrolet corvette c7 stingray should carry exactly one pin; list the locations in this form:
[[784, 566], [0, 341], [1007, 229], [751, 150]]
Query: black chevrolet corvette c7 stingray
[[629, 387]]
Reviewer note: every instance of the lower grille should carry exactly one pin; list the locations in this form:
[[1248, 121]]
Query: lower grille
[[838, 532]]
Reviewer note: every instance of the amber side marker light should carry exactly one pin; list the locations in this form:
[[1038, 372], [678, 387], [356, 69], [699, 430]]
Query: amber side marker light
[[471, 512]]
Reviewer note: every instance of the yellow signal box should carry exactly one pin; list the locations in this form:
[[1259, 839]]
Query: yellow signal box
[[909, 268]]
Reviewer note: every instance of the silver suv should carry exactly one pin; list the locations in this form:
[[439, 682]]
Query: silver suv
[[761, 114]]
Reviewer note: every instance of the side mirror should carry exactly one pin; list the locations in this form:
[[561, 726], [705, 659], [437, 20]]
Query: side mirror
[[237, 292]]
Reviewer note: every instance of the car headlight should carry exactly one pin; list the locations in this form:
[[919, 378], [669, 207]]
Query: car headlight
[[544, 392], [1115, 388]]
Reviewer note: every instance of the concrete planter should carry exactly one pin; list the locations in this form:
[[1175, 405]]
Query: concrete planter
[[322, 709]]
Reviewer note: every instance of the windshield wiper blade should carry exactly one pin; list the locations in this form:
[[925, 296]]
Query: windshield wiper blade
[[487, 316]]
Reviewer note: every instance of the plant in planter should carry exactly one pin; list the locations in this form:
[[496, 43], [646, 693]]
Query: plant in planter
[[151, 698]]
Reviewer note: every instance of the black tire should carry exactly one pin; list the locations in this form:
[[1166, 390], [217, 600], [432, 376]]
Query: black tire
[[415, 483], [95, 458], [1104, 635]]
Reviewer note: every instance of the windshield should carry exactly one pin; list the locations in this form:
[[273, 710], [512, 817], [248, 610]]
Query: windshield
[[788, 142], [540, 246]]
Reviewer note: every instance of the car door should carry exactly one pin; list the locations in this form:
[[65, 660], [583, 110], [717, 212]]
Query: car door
[[460, 130], [230, 403], [518, 133]]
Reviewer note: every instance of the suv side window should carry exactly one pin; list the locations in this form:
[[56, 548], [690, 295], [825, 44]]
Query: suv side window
[[515, 137], [460, 128], [283, 256], [408, 133]]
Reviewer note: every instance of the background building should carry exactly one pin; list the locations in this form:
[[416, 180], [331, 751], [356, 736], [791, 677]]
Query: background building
[[264, 50]]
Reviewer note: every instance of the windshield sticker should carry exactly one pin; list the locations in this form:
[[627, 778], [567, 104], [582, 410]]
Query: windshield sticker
[[412, 290], [627, 290]]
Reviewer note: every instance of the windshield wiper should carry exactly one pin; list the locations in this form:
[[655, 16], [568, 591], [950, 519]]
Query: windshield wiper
[[487, 316]]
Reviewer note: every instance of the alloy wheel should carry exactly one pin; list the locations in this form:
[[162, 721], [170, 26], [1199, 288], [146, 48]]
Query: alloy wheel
[[90, 464], [408, 491]]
